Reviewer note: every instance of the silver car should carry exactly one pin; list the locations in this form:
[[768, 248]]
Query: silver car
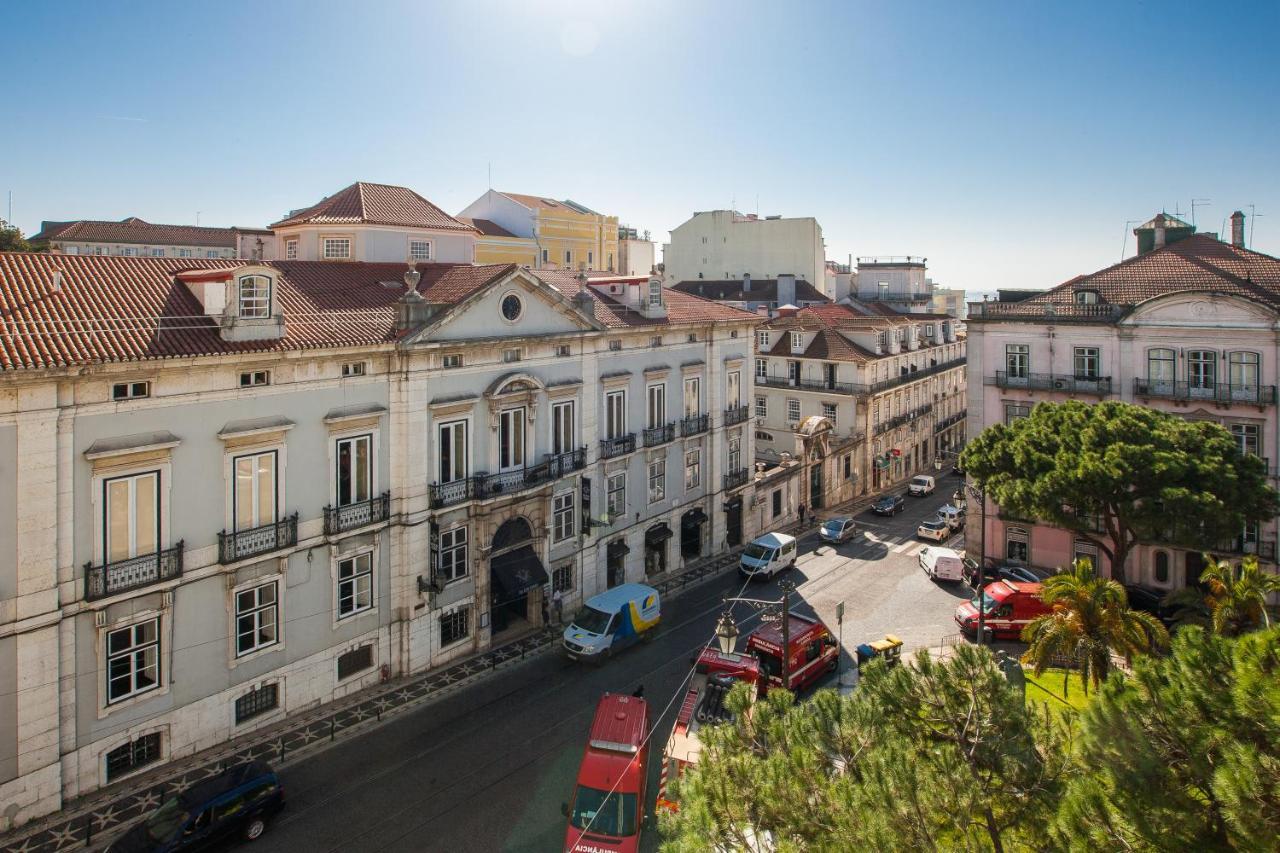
[[837, 530]]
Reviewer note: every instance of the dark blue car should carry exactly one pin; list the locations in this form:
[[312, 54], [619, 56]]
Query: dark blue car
[[889, 505], [237, 802]]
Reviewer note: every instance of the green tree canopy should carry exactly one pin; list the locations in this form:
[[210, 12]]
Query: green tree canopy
[[1133, 470], [11, 239], [1234, 598]]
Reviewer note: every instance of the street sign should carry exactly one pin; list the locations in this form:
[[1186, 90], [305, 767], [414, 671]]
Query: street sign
[[840, 613]]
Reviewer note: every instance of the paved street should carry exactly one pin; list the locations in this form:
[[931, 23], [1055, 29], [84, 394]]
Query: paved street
[[487, 768]]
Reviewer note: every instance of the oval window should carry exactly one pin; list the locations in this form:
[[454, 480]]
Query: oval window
[[511, 307], [1162, 567]]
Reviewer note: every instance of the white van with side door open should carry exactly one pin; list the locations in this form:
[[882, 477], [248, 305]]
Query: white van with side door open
[[768, 555]]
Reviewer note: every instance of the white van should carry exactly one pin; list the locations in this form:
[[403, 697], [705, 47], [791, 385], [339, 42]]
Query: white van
[[921, 485], [768, 555], [942, 564], [612, 620]]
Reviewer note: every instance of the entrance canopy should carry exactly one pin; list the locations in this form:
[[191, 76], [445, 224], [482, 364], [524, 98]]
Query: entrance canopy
[[618, 549], [515, 573], [693, 518], [657, 534]]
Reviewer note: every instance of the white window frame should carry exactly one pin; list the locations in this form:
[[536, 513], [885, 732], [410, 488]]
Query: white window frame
[[370, 484], [793, 410], [797, 343], [351, 587], [136, 653], [253, 297], [568, 258], [354, 368], [615, 414], [762, 368], [762, 340], [327, 255], [616, 494], [291, 249], [655, 293], [733, 389], [735, 452], [692, 396], [260, 615], [762, 407], [657, 479], [132, 481], [451, 360], [562, 514], [448, 434], [419, 249], [829, 412], [260, 516], [452, 564], [563, 427], [255, 378], [1087, 362], [656, 405], [513, 441], [692, 469], [1019, 356]]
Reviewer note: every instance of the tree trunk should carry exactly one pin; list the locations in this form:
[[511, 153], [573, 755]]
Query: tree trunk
[[992, 830]]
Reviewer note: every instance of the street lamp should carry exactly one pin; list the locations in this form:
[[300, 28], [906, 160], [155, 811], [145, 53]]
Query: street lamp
[[770, 611], [727, 632]]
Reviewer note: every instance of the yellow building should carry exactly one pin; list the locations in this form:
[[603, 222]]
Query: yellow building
[[549, 234]]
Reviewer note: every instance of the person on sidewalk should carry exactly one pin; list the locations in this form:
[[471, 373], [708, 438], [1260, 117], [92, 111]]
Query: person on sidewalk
[[557, 605], [802, 511]]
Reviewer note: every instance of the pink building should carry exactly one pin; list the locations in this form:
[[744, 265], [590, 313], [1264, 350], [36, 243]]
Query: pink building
[[1191, 326]]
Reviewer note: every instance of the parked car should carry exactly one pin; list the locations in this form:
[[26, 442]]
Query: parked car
[[952, 515], [889, 505], [1151, 601], [935, 530], [240, 800], [837, 530], [942, 564], [921, 485], [1003, 572]]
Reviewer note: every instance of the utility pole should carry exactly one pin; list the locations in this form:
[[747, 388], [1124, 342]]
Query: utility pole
[[787, 588], [982, 569]]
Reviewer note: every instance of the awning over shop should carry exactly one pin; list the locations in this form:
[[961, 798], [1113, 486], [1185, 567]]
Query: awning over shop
[[657, 534], [618, 549], [693, 517], [732, 504], [515, 573]]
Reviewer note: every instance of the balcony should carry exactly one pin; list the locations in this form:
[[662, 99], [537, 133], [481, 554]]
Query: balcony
[[948, 422], [904, 418], [620, 446], [735, 479], [736, 415], [1100, 385], [133, 573], [1040, 312], [240, 544], [898, 296], [659, 435], [483, 485], [693, 424], [912, 376], [812, 385], [1258, 395], [338, 519]]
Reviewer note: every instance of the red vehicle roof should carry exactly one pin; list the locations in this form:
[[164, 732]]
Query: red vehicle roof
[[621, 723], [1000, 589], [803, 629]]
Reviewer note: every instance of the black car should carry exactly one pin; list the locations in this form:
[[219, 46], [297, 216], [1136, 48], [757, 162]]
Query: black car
[[238, 801], [1151, 601], [1003, 572], [889, 505]]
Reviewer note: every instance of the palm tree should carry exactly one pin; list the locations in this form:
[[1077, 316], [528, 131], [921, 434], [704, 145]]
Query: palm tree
[[1237, 595], [1090, 619]]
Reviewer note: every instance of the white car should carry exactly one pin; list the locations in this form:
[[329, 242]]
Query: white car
[[937, 531], [921, 485]]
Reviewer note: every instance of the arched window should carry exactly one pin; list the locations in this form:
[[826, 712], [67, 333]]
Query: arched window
[[512, 532], [1161, 567]]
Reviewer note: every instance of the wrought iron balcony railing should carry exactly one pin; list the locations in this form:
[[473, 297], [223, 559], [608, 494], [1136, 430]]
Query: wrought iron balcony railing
[[659, 435], [484, 485], [1100, 385], [132, 573], [240, 544], [737, 478], [620, 446], [948, 422], [1224, 392], [812, 385], [904, 418], [736, 415], [693, 424], [912, 376], [338, 519]]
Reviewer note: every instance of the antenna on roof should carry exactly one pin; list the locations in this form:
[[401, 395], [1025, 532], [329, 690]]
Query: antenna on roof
[[1198, 202], [1125, 243], [490, 174], [1253, 215], [198, 217]]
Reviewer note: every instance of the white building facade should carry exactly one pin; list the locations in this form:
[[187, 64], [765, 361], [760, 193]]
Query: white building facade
[[725, 244]]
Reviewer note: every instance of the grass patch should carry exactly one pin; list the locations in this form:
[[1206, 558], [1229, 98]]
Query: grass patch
[[1051, 688]]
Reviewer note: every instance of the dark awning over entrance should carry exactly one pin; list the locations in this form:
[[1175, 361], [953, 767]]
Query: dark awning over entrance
[[515, 573], [693, 518], [618, 549], [657, 534], [732, 504]]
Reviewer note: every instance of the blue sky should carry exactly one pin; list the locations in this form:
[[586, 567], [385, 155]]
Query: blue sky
[[1007, 142]]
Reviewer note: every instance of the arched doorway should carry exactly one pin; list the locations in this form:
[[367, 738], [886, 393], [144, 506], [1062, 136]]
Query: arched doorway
[[691, 533], [516, 577]]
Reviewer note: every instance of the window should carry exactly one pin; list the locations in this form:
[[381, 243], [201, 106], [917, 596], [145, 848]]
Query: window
[[829, 412], [135, 754], [211, 253], [254, 378], [455, 626], [562, 578], [1243, 369], [655, 293], [1161, 567], [453, 359], [777, 502], [615, 414], [763, 436], [797, 342], [130, 390], [563, 350], [655, 341], [793, 372], [257, 701], [562, 432], [291, 250], [848, 466], [1017, 360], [692, 396], [591, 260], [735, 453], [257, 615], [1013, 411], [1016, 550], [928, 330], [568, 257], [1202, 369], [693, 338], [762, 340], [1086, 297], [254, 490], [1087, 363], [511, 439], [512, 307], [762, 368], [453, 554], [155, 253], [133, 660], [419, 250], [355, 470], [616, 494], [1085, 550], [512, 354], [355, 585], [1247, 437], [132, 516], [353, 368], [1161, 367], [453, 451], [129, 251], [182, 253], [546, 256], [657, 480], [657, 406], [793, 410], [762, 407], [354, 661], [883, 289], [692, 469], [336, 248], [733, 385], [615, 345], [562, 517]]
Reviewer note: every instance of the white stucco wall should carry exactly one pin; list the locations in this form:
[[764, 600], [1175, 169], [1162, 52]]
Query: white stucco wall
[[718, 242]]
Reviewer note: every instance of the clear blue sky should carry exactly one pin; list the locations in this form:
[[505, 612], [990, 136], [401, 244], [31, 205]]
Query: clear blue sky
[[1007, 142]]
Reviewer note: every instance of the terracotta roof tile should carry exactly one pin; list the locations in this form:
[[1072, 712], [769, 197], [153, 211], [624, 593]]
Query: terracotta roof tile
[[487, 227], [376, 204], [135, 231], [681, 307]]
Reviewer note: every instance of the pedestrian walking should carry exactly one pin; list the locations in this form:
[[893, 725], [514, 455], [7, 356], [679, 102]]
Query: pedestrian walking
[[557, 605], [802, 511]]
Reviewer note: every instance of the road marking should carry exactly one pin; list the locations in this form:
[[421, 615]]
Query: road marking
[[908, 548]]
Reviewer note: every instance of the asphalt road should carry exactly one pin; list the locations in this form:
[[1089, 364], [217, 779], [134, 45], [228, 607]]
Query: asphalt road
[[486, 769]]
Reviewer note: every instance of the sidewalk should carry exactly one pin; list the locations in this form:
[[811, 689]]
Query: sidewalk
[[97, 818]]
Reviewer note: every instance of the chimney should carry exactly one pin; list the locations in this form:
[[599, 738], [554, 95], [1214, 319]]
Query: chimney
[[1237, 230], [1159, 221], [746, 283]]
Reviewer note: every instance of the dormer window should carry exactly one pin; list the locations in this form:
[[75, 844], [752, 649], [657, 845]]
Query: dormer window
[[928, 330], [255, 297], [337, 248], [1086, 297], [762, 340], [419, 250], [797, 342], [291, 249], [655, 293]]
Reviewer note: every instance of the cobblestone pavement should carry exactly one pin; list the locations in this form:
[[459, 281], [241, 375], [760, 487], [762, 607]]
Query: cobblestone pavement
[[95, 819]]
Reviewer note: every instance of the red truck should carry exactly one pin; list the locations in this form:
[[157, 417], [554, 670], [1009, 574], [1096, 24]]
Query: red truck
[[1009, 607], [814, 652], [608, 802]]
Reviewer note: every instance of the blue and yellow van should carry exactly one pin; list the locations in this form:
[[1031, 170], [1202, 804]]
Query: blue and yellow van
[[612, 620]]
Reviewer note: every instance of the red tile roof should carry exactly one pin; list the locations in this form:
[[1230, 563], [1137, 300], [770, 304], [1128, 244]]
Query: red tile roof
[[536, 201], [375, 204], [135, 231], [825, 321], [111, 309], [487, 227], [681, 307]]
